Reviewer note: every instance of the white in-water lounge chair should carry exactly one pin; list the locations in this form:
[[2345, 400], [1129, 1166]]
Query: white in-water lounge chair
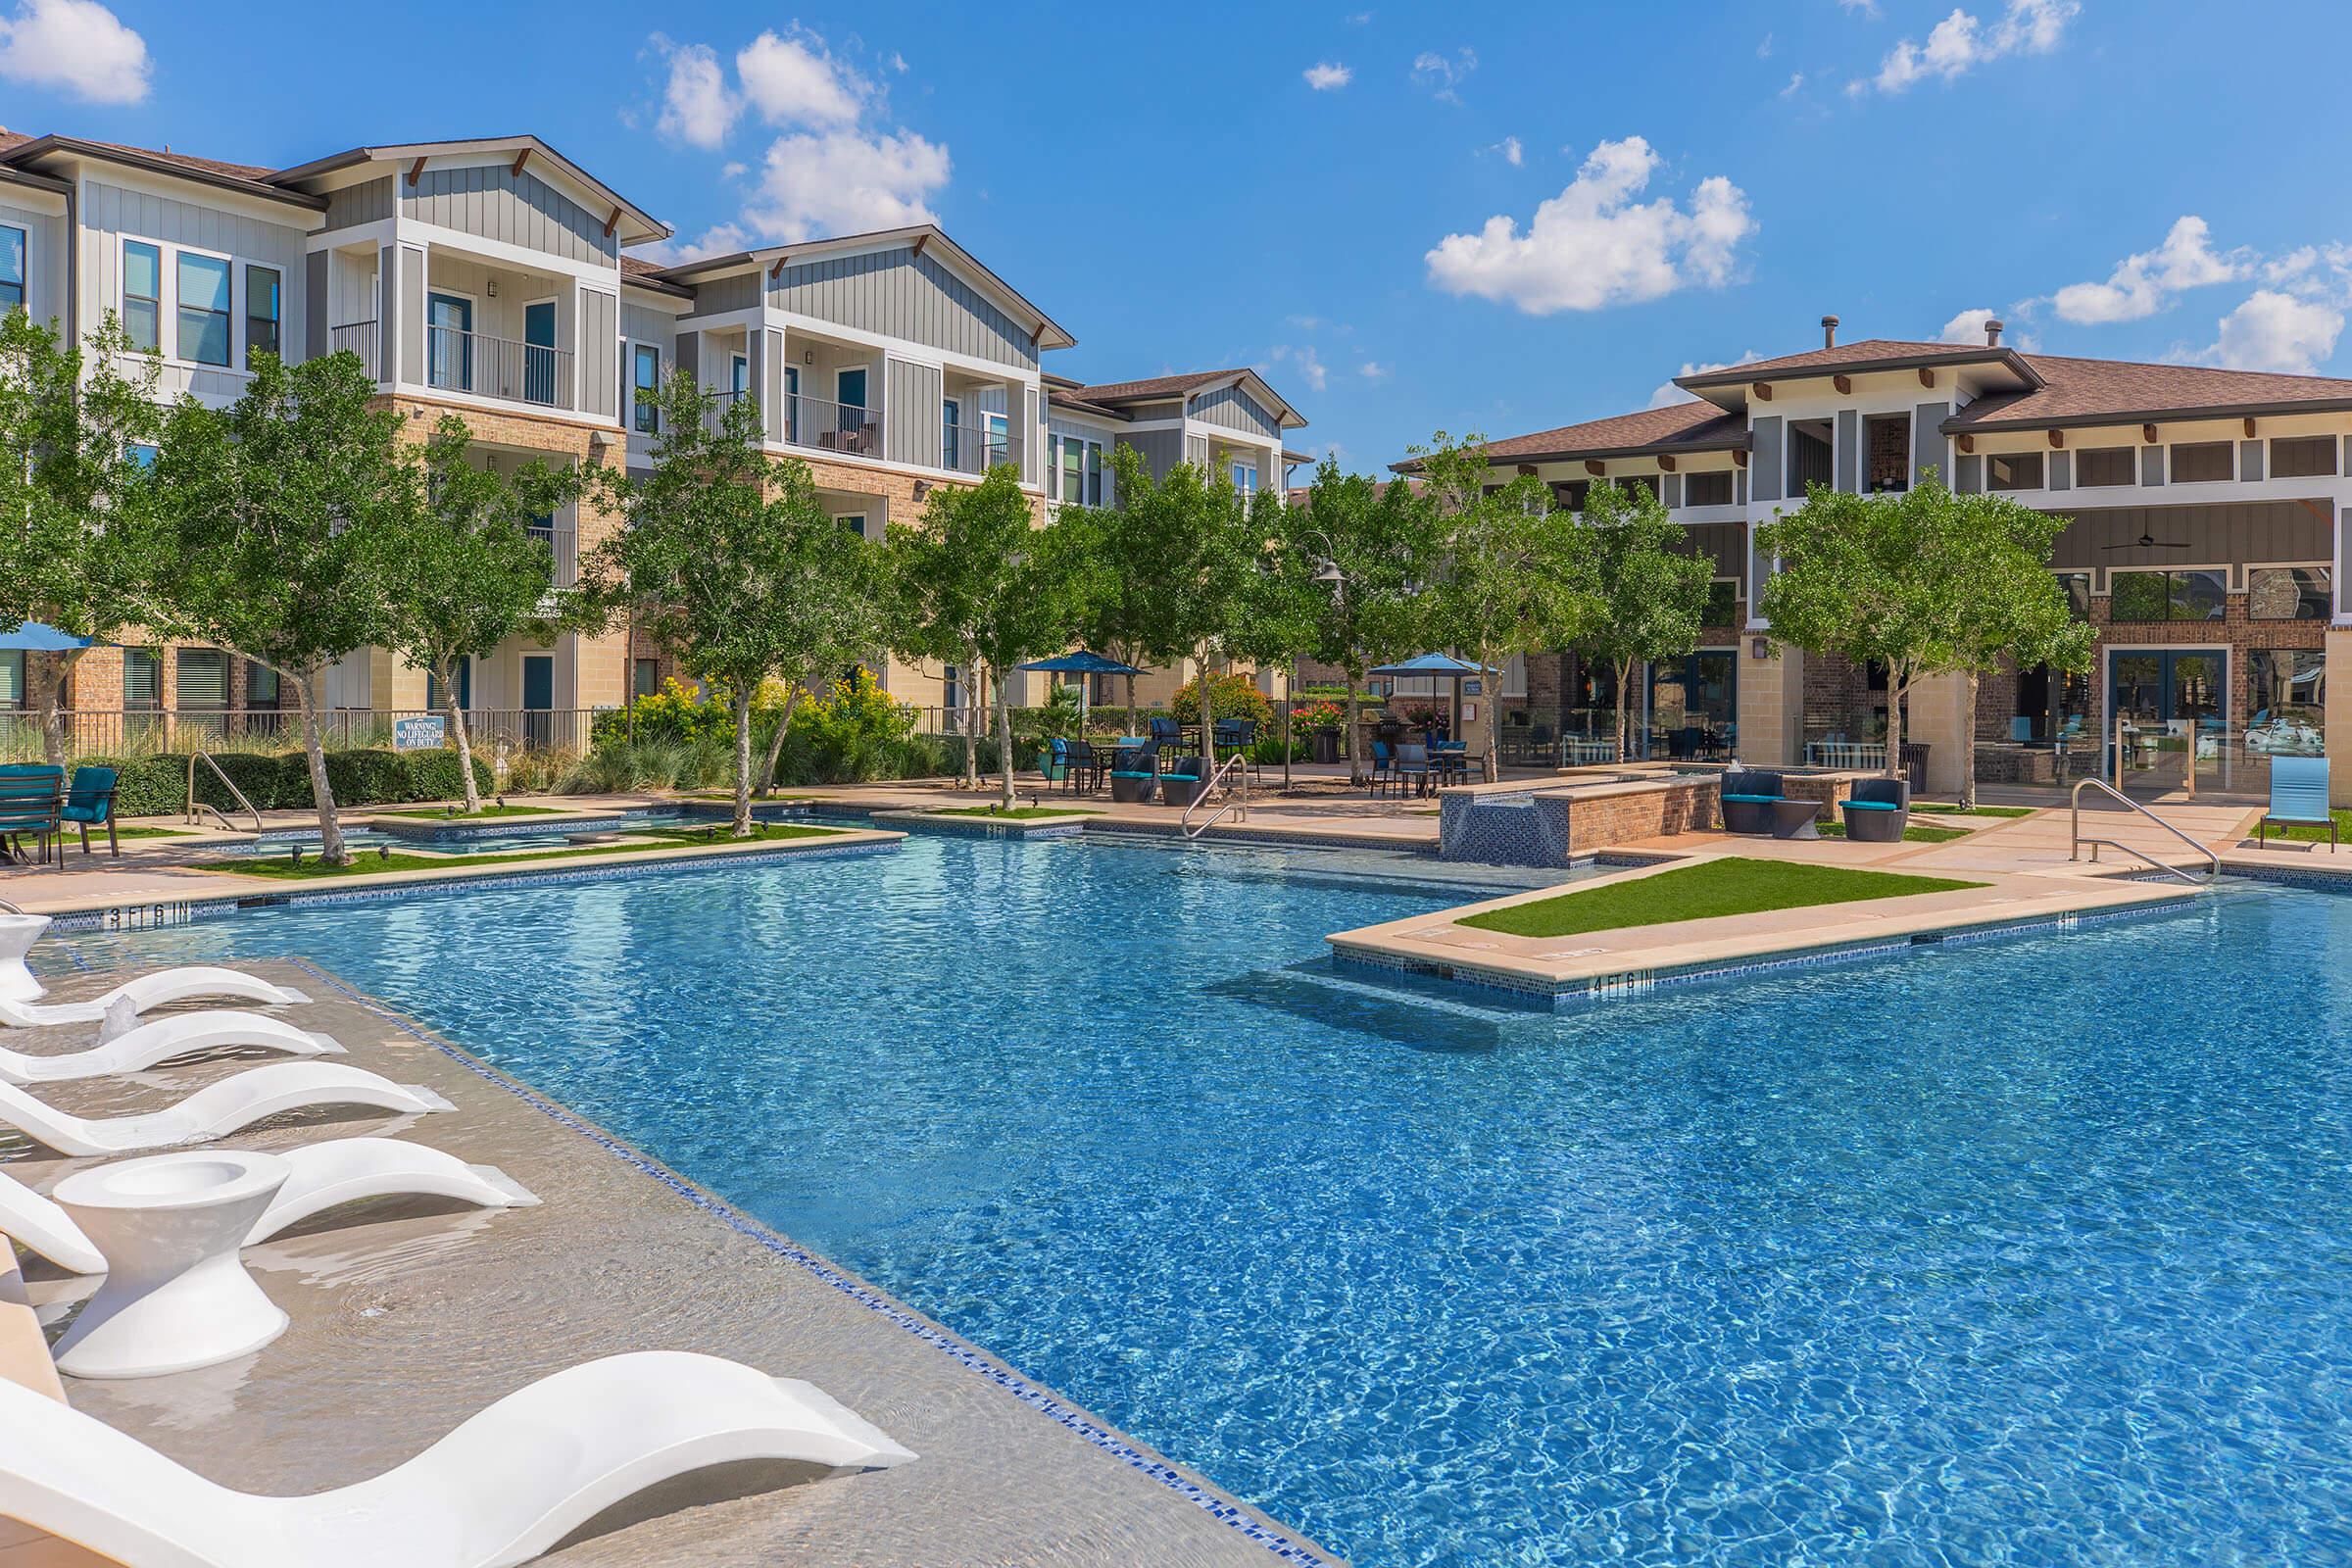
[[502, 1488], [327, 1175], [214, 1111], [147, 992], [178, 1034]]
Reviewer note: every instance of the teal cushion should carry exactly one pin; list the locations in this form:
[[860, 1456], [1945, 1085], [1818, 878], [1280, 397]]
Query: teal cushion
[[1872, 805], [1755, 800], [1134, 775]]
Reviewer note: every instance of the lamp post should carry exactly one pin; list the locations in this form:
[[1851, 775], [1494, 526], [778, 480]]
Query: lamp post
[[1328, 572]]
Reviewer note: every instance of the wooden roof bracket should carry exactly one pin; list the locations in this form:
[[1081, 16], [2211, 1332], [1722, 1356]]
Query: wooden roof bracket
[[417, 167], [777, 271], [1844, 386], [2147, 433], [1596, 468], [1665, 463], [1763, 391], [2249, 427], [613, 220], [1966, 443], [1527, 471], [2057, 438], [1926, 377], [522, 158], [1738, 457]]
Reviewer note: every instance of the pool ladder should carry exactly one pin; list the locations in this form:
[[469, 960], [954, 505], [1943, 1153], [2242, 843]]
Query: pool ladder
[[2213, 861], [197, 806], [1236, 801]]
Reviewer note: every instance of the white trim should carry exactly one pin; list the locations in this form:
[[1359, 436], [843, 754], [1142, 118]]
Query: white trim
[[378, 232], [415, 230], [194, 193]]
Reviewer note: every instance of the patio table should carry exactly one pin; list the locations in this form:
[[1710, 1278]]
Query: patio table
[[1794, 819]]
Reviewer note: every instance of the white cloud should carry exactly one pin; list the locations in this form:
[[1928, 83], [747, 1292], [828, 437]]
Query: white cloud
[[1514, 152], [77, 46], [1356, 18], [1960, 43], [1866, 8], [697, 106], [1593, 245], [2275, 331], [1311, 369], [1324, 76], [1668, 394], [1442, 75], [1797, 83], [844, 182], [1966, 327], [794, 81], [2143, 283], [1373, 371], [1764, 49]]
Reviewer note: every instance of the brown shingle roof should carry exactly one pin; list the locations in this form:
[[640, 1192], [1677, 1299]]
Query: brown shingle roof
[[1678, 426], [2092, 391], [1068, 398], [1158, 386], [251, 178], [206, 165], [1877, 353]]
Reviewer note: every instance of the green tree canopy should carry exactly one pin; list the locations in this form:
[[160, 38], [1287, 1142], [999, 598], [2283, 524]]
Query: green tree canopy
[[1924, 583], [280, 508], [82, 550], [1649, 592]]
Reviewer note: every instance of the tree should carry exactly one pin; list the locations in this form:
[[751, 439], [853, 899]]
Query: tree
[[1117, 559], [975, 574], [279, 508], [729, 557], [1926, 583], [1649, 592], [1517, 576], [1351, 571], [465, 574], [82, 550]]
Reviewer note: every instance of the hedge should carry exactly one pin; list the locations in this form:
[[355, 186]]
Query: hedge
[[158, 785]]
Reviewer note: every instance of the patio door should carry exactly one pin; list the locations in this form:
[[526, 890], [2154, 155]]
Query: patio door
[[539, 352], [538, 699], [1694, 704], [848, 388], [2165, 702], [449, 342]]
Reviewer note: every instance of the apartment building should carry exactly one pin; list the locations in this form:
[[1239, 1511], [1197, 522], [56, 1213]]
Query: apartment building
[[2205, 543], [490, 279]]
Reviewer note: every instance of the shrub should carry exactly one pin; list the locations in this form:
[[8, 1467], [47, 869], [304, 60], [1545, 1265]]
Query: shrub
[[1266, 750], [1230, 697], [435, 776], [1318, 714], [855, 732]]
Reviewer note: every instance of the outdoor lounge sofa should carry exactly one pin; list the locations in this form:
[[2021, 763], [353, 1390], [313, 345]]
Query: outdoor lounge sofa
[[1749, 794], [1134, 774], [1878, 810], [1185, 781], [2298, 797]]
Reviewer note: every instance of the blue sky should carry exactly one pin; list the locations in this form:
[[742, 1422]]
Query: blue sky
[[1469, 216]]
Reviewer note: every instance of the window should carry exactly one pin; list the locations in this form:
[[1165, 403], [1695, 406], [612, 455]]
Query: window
[[12, 679], [261, 686], [203, 309], [1887, 443], [143, 295], [853, 522], [449, 342], [11, 272], [203, 680], [143, 453], [2096, 467], [1708, 489], [142, 679], [2288, 593], [1094, 474], [2013, 471], [2288, 693], [2154, 595], [950, 421], [646, 380], [1245, 479], [2076, 587], [1569, 494], [2296, 457], [263, 312], [436, 696], [646, 677], [1631, 482], [2203, 463], [1723, 603], [999, 439]]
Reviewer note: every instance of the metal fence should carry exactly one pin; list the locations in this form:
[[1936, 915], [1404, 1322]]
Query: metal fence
[[135, 733]]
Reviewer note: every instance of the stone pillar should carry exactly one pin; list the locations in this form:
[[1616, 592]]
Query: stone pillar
[[2339, 715], [1938, 709], [1771, 704]]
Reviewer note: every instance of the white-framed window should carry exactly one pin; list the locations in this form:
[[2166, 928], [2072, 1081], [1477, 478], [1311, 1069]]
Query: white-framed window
[[1094, 474], [203, 285], [11, 269], [1245, 479], [999, 439], [144, 294], [645, 381], [1075, 469], [265, 310], [854, 522]]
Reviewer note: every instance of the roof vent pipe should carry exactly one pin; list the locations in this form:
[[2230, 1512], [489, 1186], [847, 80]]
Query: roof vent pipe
[[1992, 333], [1828, 331]]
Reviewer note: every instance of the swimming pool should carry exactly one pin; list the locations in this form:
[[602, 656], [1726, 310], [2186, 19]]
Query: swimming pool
[[2030, 1251], [499, 836]]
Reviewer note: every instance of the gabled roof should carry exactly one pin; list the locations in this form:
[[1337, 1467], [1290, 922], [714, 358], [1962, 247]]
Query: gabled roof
[[1191, 383], [250, 179], [647, 226], [640, 273], [1692, 426], [1050, 333], [2074, 392], [1063, 397], [1728, 388]]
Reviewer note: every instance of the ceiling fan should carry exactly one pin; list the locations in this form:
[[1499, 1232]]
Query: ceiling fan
[[2148, 541]]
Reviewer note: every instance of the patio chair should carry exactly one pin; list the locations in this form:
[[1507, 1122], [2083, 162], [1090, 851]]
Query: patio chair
[[1082, 767], [141, 994], [89, 804], [1749, 794], [214, 1111], [1383, 761], [160, 1039], [32, 794], [1411, 767], [1167, 734], [506, 1486], [1877, 811], [1134, 774], [2299, 798], [1185, 781]]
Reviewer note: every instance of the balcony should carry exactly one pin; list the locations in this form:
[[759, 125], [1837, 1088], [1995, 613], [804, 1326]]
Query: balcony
[[483, 365], [976, 449], [355, 337], [824, 426]]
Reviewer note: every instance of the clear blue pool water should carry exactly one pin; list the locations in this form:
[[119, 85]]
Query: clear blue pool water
[[2035, 1252], [517, 833]]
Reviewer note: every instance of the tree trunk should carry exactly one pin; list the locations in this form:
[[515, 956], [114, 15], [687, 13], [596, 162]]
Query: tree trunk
[[1357, 778], [1209, 726], [973, 696], [1288, 703], [1494, 746], [442, 673], [1004, 797], [743, 761], [52, 718], [1625, 680], [775, 741], [1130, 702], [313, 744], [1968, 742], [1895, 690]]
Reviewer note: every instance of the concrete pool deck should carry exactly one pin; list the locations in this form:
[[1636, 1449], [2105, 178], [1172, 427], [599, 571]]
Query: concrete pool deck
[[409, 1317]]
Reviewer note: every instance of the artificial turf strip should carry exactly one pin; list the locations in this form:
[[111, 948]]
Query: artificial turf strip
[[484, 813], [1941, 809], [1916, 833], [1703, 892], [1019, 813], [146, 832], [2311, 832], [367, 862]]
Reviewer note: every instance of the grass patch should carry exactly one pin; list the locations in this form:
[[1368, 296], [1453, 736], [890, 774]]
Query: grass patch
[[485, 813], [367, 863], [723, 833], [144, 832], [1019, 813], [1915, 833], [1945, 808], [1703, 892], [2311, 832]]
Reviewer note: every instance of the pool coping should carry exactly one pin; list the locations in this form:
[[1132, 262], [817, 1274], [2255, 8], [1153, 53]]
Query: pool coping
[[1284, 1542], [997, 827], [1683, 951]]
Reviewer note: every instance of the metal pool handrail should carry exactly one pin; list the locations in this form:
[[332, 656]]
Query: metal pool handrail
[[1234, 801], [195, 806], [2075, 801]]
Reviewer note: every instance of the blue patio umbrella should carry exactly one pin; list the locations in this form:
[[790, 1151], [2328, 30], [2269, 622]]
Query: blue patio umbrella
[[1081, 663], [36, 637], [1442, 666]]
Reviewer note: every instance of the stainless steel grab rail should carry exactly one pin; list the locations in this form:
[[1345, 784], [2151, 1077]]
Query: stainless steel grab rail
[[195, 806], [2075, 827], [1235, 801]]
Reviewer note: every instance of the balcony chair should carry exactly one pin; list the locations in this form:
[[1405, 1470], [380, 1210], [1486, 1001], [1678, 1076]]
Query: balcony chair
[[2299, 798], [89, 804]]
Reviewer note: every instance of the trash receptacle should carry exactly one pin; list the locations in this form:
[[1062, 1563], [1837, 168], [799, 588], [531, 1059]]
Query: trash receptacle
[[1327, 745], [1915, 765]]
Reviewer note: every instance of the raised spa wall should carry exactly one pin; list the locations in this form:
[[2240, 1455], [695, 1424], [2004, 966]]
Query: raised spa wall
[[1587, 811]]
